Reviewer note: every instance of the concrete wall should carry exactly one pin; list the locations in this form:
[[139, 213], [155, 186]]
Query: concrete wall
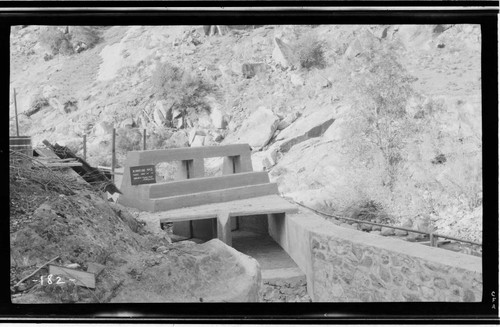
[[345, 265], [254, 223]]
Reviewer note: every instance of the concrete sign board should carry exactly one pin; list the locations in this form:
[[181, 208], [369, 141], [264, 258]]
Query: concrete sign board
[[143, 175]]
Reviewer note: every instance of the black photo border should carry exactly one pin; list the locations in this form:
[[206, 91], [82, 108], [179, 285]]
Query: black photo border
[[263, 13]]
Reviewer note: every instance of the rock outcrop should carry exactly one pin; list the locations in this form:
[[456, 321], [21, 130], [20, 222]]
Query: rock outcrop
[[259, 128], [313, 125], [250, 70], [283, 54]]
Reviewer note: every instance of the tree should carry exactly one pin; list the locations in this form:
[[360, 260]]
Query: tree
[[381, 123], [186, 90]]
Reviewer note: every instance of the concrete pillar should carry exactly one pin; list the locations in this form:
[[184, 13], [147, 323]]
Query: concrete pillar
[[277, 229], [196, 168], [199, 229], [237, 164], [243, 163], [224, 228], [228, 166]]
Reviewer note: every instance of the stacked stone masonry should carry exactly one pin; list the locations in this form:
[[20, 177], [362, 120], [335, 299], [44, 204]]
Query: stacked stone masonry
[[346, 265], [288, 290], [350, 272]]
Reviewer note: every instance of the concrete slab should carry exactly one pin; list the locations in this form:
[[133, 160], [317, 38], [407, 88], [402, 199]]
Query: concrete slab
[[281, 273], [265, 250], [246, 207]]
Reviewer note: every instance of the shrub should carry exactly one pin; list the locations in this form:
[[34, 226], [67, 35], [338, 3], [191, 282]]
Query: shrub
[[380, 123], [67, 43], [310, 52], [157, 139], [87, 35], [128, 140], [36, 105], [187, 90], [53, 39]]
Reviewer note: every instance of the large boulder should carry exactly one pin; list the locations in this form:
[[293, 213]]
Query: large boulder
[[313, 125], [127, 123], [178, 140], [364, 42], [288, 120], [199, 140], [257, 161], [264, 160], [259, 128], [193, 133], [250, 70], [283, 54], [103, 128], [218, 119], [158, 117], [297, 79], [208, 272], [57, 105]]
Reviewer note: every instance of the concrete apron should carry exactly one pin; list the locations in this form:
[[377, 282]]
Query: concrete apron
[[282, 279]]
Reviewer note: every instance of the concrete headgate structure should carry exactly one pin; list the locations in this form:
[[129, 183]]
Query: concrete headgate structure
[[340, 264], [200, 206]]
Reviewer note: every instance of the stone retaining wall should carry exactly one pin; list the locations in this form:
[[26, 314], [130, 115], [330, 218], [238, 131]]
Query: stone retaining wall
[[346, 265], [352, 271], [284, 290]]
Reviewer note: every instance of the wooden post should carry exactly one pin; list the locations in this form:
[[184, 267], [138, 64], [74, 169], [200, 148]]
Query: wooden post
[[432, 239], [113, 156], [144, 146], [224, 228], [15, 108], [85, 147]]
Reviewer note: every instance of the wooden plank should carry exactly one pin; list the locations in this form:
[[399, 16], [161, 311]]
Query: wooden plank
[[196, 185], [46, 153], [224, 228], [56, 160], [81, 278], [95, 268], [254, 206], [62, 164], [230, 194], [157, 156]]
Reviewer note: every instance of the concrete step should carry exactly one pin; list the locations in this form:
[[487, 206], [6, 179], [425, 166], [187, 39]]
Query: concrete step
[[204, 184], [217, 196], [285, 274]]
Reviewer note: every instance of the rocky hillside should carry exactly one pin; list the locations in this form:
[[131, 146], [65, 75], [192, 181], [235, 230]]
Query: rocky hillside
[[344, 118]]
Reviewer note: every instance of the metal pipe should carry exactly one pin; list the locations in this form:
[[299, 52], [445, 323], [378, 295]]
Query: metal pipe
[[435, 236], [144, 134]]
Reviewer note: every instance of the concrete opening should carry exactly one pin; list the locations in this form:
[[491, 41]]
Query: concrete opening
[[213, 166], [283, 280], [168, 171]]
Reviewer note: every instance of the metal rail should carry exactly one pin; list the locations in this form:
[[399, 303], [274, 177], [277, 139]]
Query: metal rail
[[432, 236]]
